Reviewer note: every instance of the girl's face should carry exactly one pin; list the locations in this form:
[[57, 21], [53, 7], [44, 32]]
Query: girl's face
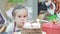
[[21, 16]]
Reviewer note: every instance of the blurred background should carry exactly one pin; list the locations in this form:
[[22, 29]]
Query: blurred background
[[5, 5]]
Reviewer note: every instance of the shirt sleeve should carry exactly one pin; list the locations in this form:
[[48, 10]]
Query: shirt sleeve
[[10, 28]]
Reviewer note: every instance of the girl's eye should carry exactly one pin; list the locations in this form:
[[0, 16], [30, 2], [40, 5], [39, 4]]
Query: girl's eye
[[24, 16], [19, 16]]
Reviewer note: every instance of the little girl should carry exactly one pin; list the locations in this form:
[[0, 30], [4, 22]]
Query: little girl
[[20, 15]]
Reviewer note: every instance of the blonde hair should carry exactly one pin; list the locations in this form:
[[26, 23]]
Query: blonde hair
[[18, 7]]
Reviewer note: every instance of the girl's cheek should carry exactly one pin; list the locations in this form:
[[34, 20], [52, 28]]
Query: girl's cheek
[[25, 20]]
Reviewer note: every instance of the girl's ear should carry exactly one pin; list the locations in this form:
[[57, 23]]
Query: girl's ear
[[13, 18]]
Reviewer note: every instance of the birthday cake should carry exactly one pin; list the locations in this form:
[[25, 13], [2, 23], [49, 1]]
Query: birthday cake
[[32, 28], [32, 25]]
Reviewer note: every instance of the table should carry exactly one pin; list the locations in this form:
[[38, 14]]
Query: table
[[51, 28], [17, 32]]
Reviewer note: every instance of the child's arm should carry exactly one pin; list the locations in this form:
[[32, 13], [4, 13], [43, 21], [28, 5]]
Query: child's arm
[[10, 27], [3, 29]]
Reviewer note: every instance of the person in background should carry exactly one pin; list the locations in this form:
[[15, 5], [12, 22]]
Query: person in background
[[41, 9], [57, 10], [46, 7], [57, 3]]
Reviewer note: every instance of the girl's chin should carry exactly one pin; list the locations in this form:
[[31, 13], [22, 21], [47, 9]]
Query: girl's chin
[[22, 22]]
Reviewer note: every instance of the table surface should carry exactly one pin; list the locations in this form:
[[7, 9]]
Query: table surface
[[17, 32]]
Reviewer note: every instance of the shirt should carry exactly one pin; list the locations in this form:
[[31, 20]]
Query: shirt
[[11, 27]]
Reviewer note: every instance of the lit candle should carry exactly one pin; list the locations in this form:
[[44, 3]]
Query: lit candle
[[37, 20]]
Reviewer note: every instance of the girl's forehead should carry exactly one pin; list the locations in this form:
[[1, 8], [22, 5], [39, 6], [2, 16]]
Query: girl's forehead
[[21, 12]]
